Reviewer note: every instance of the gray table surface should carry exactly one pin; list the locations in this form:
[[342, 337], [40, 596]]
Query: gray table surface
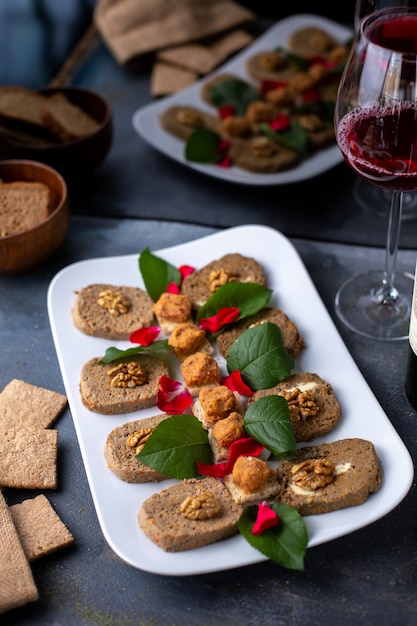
[[365, 577], [139, 198]]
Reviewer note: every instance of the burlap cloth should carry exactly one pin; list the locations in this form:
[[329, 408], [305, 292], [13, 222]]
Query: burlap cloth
[[135, 28]]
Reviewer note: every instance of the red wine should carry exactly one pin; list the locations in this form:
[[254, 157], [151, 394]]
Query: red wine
[[396, 33], [380, 144]]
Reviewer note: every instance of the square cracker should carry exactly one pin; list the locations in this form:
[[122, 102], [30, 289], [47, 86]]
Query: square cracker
[[23, 404], [41, 531], [28, 458], [17, 586]]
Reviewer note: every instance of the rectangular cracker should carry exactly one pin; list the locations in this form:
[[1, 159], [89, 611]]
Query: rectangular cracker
[[41, 531], [28, 458], [23, 404], [202, 58], [17, 586], [167, 79]]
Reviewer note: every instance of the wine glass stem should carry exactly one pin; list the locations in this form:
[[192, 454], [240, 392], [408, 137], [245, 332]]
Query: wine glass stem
[[387, 293]]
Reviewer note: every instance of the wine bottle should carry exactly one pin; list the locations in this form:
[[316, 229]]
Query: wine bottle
[[411, 371]]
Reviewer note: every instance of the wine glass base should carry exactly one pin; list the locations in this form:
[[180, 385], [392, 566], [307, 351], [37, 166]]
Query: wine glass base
[[378, 200], [358, 307]]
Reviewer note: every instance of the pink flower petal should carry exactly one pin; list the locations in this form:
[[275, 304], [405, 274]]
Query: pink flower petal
[[173, 397], [266, 518], [145, 336], [224, 316]]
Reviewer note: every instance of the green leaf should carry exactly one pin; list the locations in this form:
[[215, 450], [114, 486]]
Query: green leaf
[[158, 348], [202, 146], [294, 138], [261, 357], [234, 92], [301, 63], [285, 543], [248, 297], [157, 273], [268, 421], [175, 445]]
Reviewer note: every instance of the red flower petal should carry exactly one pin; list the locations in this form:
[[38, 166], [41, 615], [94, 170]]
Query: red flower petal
[[234, 382], [227, 110], [145, 336], [226, 315], [269, 85], [173, 397], [280, 122], [311, 95], [266, 518], [225, 162], [185, 270], [241, 447], [172, 288]]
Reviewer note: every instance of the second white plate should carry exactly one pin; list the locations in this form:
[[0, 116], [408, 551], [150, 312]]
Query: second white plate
[[146, 119]]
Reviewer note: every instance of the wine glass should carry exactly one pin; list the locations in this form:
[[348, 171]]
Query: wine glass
[[369, 196], [376, 131]]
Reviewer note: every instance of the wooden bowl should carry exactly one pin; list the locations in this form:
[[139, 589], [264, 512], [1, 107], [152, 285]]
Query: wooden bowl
[[75, 158], [23, 251]]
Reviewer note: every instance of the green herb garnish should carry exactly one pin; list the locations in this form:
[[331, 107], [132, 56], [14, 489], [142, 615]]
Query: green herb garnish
[[202, 146], [249, 298], [261, 357], [157, 274], [268, 421], [234, 92], [294, 138], [285, 543], [157, 348], [175, 445]]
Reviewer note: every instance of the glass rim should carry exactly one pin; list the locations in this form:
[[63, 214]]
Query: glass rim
[[380, 16]]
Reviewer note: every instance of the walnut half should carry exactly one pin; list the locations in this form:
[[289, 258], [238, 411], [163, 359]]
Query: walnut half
[[114, 302], [138, 439], [201, 506], [300, 404], [313, 473], [128, 375]]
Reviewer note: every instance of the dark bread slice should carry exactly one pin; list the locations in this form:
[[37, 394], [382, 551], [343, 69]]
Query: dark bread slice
[[22, 106], [261, 154], [311, 41], [92, 319], [197, 286], [358, 474], [162, 521], [320, 392], [98, 395], [271, 65], [121, 457], [67, 120], [181, 121], [23, 206], [293, 341]]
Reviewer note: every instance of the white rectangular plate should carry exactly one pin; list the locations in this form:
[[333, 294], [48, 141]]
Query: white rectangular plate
[[117, 503], [146, 119]]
